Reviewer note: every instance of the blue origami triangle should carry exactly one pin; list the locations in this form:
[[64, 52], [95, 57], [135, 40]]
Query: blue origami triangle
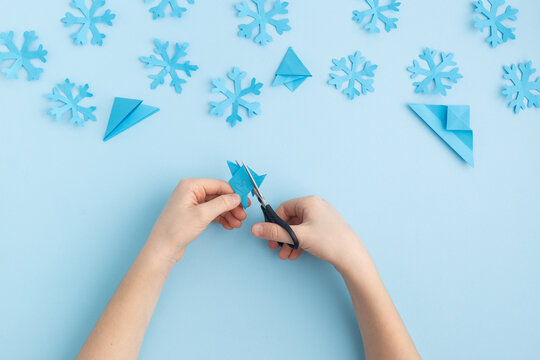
[[241, 183], [126, 113], [291, 72], [452, 124]]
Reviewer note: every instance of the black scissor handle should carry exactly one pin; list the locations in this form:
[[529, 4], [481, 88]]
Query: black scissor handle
[[270, 216]]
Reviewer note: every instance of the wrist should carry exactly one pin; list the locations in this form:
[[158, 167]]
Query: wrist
[[353, 257], [158, 252]]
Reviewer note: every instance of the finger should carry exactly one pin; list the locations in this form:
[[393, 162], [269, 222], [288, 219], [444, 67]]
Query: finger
[[291, 209], [234, 222], [223, 222], [218, 206], [239, 213], [213, 186], [273, 245], [275, 232], [285, 252], [295, 254]]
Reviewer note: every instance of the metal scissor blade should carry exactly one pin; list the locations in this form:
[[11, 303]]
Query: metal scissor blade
[[255, 187]]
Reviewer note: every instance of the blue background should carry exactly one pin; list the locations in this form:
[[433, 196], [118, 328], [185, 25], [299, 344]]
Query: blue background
[[458, 248]]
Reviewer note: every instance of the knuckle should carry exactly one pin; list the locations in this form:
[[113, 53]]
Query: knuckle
[[273, 233]]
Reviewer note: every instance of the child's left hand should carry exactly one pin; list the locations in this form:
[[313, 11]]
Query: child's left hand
[[194, 204]]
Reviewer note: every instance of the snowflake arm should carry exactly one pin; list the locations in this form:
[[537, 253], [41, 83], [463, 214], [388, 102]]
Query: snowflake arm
[[491, 20], [353, 75], [169, 65], [88, 21], [376, 14], [63, 93], [523, 92], [235, 99], [21, 58], [261, 19], [176, 10], [435, 73]]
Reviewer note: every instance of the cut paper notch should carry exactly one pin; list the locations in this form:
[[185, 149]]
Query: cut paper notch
[[126, 113], [292, 72], [452, 124], [241, 182]]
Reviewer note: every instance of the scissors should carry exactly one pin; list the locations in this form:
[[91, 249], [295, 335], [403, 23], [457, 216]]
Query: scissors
[[270, 215]]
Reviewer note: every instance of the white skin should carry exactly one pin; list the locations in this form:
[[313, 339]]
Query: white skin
[[194, 204]]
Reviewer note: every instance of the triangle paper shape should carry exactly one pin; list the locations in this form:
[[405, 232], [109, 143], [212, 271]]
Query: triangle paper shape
[[126, 113], [451, 123], [291, 72]]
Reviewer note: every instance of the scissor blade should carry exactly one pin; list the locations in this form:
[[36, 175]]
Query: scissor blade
[[255, 187]]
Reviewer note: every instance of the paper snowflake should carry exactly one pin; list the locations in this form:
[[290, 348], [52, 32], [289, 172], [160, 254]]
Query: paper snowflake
[[235, 99], [353, 75], [523, 90], [435, 73], [176, 10], [88, 21], [376, 13], [261, 19], [21, 58], [494, 21], [169, 65], [63, 93]]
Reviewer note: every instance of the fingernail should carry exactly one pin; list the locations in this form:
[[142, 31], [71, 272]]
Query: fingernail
[[236, 197], [257, 230]]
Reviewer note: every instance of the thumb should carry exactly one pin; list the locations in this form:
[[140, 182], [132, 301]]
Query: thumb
[[215, 207], [275, 232]]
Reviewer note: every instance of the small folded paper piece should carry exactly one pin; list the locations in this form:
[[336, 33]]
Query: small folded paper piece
[[126, 113], [241, 183], [452, 124], [292, 72]]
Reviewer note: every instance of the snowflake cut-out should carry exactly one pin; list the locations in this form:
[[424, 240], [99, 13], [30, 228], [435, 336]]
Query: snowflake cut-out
[[435, 73], [176, 10], [21, 58], [353, 75], [261, 19], [88, 21], [235, 99], [523, 92], [169, 65], [376, 13], [63, 93], [494, 21]]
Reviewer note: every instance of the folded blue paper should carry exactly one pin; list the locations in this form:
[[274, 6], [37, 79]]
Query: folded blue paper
[[292, 72], [241, 183], [452, 124], [126, 113]]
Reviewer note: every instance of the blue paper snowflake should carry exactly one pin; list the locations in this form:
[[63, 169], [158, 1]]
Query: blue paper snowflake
[[494, 21], [523, 89], [235, 99], [435, 74], [261, 19], [353, 75], [21, 58], [376, 13], [169, 65], [176, 10], [88, 21], [63, 93]]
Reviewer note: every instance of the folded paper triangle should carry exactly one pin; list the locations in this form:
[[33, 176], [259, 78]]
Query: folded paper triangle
[[241, 182], [126, 113], [292, 72], [452, 124]]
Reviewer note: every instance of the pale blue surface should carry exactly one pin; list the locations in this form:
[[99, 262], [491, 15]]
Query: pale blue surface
[[458, 248]]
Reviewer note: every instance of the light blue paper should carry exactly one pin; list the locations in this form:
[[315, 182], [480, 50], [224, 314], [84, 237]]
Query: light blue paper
[[292, 72], [452, 124], [126, 113], [241, 183], [523, 91], [490, 19], [88, 21], [262, 19]]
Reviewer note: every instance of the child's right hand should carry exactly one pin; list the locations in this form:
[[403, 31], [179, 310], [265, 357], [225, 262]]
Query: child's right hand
[[320, 229]]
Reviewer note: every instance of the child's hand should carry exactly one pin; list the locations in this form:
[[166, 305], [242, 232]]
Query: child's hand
[[194, 204], [320, 230]]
